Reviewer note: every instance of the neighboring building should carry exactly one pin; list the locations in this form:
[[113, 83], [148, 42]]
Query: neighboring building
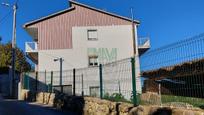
[[83, 36], [183, 79]]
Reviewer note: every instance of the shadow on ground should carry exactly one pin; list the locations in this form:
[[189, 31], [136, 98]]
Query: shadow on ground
[[14, 107], [71, 103]]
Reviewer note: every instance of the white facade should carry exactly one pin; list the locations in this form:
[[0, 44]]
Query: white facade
[[67, 35], [114, 43]]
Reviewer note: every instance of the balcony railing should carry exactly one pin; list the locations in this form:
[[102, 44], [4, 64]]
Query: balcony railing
[[31, 47], [144, 42]]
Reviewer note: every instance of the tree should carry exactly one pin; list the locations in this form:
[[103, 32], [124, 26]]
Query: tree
[[21, 64], [0, 39]]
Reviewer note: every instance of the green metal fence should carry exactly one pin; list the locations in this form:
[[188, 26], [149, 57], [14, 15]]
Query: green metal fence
[[118, 80], [114, 81], [170, 76], [174, 74]]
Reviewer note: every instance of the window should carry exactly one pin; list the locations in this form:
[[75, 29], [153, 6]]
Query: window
[[94, 91], [93, 61], [92, 35], [67, 89]]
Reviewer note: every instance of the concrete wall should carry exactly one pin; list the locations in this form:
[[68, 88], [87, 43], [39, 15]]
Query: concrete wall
[[110, 38], [114, 43]]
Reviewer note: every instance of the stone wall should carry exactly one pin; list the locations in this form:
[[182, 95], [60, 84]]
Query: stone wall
[[45, 98], [96, 106], [41, 97], [24, 94], [101, 107]]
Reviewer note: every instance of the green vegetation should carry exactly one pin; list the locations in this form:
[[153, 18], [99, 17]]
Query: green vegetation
[[197, 102], [6, 58], [116, 97]]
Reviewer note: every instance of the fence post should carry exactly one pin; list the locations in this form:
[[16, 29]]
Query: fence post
[[36, 84], [134, 91], [101, 81], [160, 94], [51, 81], [45, 82], [61, 86], [23, 80], [28, 82], [119, 87], [82, 85], [45, 77], [74, 88]]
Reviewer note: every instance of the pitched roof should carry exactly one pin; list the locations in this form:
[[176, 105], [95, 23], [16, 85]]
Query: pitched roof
[[48, 17], [102, 11], [72, 8]]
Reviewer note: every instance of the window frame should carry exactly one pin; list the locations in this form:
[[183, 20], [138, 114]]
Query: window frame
[[89, 38], [92, 88], [94, 63]]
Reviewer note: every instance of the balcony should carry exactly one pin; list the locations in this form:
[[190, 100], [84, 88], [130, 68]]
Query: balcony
[[143, 45], [31, 49]]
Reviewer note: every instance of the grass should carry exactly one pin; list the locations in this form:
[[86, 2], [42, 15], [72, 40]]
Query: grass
[[116, 97], [196, 102]]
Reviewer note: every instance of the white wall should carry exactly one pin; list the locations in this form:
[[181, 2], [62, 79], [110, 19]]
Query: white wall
[[118, 37]]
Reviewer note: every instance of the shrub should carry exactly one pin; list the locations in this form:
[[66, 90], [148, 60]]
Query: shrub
[[117, 97]]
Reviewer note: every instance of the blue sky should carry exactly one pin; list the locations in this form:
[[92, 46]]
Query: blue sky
[[164, 21]]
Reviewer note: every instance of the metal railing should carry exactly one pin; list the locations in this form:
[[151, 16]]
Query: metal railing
[[173, 74], [31, 47], [113, 81], [144, 42], [170, 76], [176, 53]]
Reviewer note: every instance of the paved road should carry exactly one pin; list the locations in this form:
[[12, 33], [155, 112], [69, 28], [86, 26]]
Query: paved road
[[14, 107]]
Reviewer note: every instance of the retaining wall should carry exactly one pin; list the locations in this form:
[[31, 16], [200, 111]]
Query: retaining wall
[[96, 106]]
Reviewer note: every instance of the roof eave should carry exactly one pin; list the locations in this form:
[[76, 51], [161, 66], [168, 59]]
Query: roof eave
[[71, 8], [112, 14], [47, 17]]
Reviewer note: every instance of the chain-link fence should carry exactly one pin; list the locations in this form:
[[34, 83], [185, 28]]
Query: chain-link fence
[[113, 81], [117, 80], [174, 74], [171, 75]]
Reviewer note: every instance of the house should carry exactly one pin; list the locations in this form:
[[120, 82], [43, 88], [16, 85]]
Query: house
[[83, 36]]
